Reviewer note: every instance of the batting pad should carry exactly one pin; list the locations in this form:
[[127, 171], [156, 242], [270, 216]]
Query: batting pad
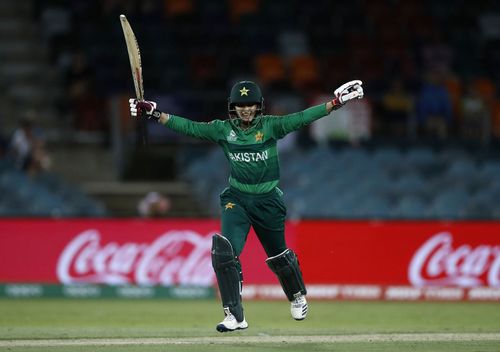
[[286, 267], [226, 267]]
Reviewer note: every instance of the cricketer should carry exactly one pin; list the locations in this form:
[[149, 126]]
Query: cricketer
[[249, 140]]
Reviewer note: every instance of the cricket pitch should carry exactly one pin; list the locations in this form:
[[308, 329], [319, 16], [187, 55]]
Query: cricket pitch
[[224, 339]]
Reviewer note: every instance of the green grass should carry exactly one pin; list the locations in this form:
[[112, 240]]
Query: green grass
[[76, 319], [247, 347]]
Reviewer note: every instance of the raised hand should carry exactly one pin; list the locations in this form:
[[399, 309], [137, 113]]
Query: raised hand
[[348, 91], [144, 108]]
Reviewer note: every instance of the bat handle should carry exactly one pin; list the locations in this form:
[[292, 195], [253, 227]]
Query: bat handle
[[144, 131]]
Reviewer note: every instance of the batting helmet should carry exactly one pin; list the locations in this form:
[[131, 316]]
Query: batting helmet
[[245, 92]]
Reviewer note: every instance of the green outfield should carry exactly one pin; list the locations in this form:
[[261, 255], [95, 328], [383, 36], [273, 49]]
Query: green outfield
[[189, 325]]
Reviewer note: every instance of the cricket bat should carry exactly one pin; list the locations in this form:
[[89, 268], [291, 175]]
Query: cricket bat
[[134, 56]]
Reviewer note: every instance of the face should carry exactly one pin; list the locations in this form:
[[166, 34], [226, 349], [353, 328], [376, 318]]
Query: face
[[246, 112]]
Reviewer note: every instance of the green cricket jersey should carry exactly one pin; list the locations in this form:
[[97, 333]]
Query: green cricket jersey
[[252, 153]]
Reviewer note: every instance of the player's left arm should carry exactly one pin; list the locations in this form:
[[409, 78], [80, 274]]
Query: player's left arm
[[342, 95]]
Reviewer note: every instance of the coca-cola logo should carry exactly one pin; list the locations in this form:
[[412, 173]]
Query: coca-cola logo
[[174, 258], [438, 263]]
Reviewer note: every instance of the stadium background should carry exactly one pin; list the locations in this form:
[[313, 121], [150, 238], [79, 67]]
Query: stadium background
[[417, 158]]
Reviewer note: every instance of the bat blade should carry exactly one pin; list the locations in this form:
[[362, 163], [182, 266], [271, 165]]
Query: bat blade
[[134, 56]]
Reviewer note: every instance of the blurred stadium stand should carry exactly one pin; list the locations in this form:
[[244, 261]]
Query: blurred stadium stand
[[424, 143], [373, 182], [43, 195]]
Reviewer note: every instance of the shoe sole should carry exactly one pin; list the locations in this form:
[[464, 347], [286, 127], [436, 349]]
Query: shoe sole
[[223, 328]]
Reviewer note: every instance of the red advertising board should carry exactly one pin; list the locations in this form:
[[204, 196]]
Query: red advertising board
[[421, 254], [164, 252], [338, 259], [106, 251]]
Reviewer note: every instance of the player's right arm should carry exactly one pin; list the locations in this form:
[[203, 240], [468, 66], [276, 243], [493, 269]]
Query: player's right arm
[[201, 130]]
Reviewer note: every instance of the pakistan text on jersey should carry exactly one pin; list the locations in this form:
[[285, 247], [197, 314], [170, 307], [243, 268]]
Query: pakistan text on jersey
[[248, 157]]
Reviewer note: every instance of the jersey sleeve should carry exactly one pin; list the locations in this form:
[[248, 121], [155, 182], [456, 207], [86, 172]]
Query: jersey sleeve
[[210, 131], [282, 125]]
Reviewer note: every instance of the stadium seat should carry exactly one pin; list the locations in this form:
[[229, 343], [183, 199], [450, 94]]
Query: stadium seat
[[411, 184], [304, 71], [387, 157], [486, 88], [373, 208], [342, 206], [292, 43], [495, 119], [285, 103], [490, 168], [174, 8], [203, 68], [461, 169], [450, 204], [420, 157], [270, 68], [332, 65], [455, 89], [410, 207], [239, 8], [481, 204]]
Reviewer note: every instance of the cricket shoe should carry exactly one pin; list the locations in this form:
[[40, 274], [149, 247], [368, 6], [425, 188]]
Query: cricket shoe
[[299, 307], [230, 323]]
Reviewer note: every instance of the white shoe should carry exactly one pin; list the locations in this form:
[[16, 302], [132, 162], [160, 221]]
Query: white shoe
[[230, 323], [299, 307]]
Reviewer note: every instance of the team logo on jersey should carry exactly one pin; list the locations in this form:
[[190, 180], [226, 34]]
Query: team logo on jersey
[[259, 136], [232, 136], [244, 91]]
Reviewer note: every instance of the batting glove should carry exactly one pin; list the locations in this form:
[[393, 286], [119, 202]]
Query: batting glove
[[144, 108], [348, 91]]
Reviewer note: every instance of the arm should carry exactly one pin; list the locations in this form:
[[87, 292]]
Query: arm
[[282, 125], [288, 123], [201, 130]]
